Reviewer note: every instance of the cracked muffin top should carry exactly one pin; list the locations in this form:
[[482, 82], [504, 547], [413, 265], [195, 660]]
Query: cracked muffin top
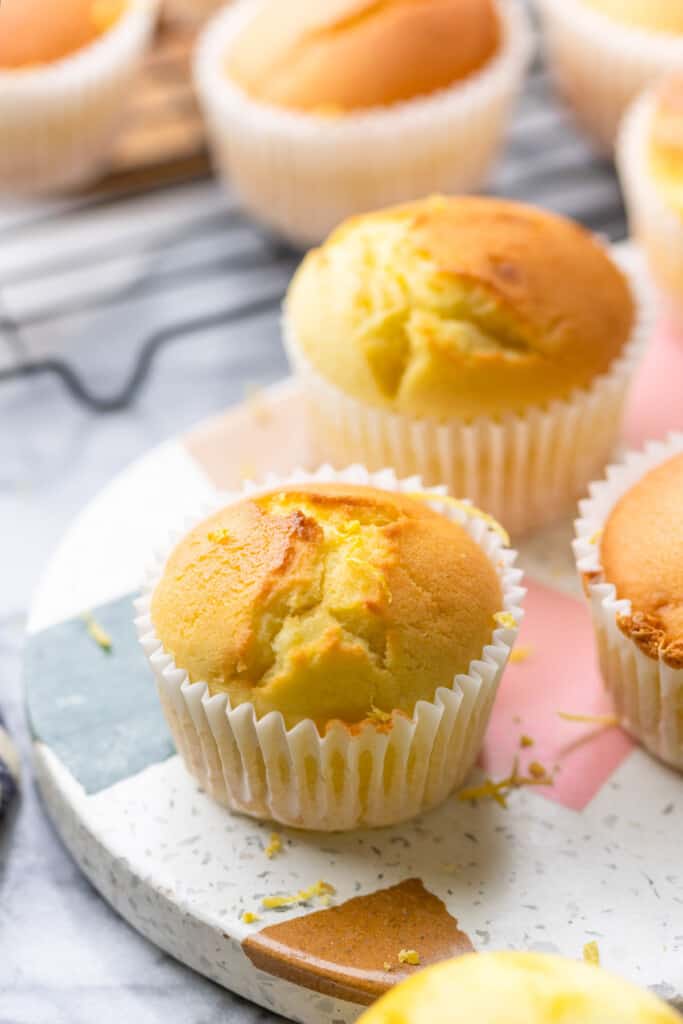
[[460, 307], [35, 33], [327, 601], [349, 55], [641, 551]]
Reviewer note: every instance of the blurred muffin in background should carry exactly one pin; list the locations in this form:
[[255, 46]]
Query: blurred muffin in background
[[650, 161], [64, 81], [517, 988], [476, 341], [319, 111], [603, 53]]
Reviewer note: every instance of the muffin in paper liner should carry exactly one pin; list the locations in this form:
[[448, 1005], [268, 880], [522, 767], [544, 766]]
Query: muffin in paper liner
[[351, 776], [58, 120], [301, 174], [525, 469], [656, 225], [601, 65], [647, 693]]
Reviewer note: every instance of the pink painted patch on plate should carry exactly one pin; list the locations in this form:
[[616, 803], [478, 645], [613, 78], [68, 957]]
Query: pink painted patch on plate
[[560, 674], [655, 406]]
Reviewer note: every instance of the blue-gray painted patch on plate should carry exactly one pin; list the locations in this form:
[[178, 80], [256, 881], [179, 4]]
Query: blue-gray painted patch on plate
[[97, 710]]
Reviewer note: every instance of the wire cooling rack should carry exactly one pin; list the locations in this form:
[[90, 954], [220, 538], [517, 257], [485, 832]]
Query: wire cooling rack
[[107, 280]]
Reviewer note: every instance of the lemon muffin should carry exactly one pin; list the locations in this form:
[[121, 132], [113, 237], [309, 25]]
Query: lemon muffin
[[330, 618], [630, 554], [311, 127], [456, 338], [650, 161], [517, 988], [603, 53], [64, 81]]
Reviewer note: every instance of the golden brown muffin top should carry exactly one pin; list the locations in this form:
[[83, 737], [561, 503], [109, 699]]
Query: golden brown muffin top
[[652, 15], [459, 307], [326, 601], [517, 988], [642, 556], [344, 55], [36, 32]]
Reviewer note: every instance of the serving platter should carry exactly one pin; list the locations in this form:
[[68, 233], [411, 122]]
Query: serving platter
[[595, 856]]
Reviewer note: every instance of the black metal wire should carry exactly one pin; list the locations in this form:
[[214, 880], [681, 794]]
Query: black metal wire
[[122, 398]]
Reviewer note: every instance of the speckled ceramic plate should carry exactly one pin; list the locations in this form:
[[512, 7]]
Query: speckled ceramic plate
[[596, 856]]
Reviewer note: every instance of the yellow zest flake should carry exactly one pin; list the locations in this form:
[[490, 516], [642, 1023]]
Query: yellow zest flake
[[470, 510], [409, 956], [274, 846], [387, 966], [505, 619], [98, 633], [518, 654], [591, 953], [604, 721], [221, 536], [249, 917], [105, 13], [318, 889], [595, 537], [499, 791], [525, 742], [376, 714]]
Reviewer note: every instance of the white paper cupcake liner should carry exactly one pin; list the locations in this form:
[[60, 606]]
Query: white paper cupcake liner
[[657, 226], [58, 121], [647, 693], [296, 777], [526, 469], [302, 174], [600, 65]]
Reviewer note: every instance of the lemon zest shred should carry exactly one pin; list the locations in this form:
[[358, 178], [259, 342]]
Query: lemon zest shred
[[519, 654], [249, 917], [505, 619], [499, 790], [470, 510], [274, 846], [376, 714], [409, 956], [525, 742], [591, 953], [98, 633], [303, 896], [387, 966], [605, 721], [595, 537]]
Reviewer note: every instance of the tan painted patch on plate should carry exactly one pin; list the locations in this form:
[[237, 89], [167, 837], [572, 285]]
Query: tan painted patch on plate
[[342, 951]]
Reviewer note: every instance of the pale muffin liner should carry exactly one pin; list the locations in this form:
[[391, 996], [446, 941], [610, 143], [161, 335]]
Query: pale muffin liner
[[656, 225], [601, 65], [301, 174], [525, 469], [58, 120], [261, 768], [647, 693]]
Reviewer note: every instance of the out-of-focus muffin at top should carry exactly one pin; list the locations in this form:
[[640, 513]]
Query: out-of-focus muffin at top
[[32, 35]]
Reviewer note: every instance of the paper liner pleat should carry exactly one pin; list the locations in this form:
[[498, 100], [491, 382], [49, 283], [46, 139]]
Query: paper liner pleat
[[526, 470], [646, 692], [350, 776], [59, 121], [600, 64], [302, 174]]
